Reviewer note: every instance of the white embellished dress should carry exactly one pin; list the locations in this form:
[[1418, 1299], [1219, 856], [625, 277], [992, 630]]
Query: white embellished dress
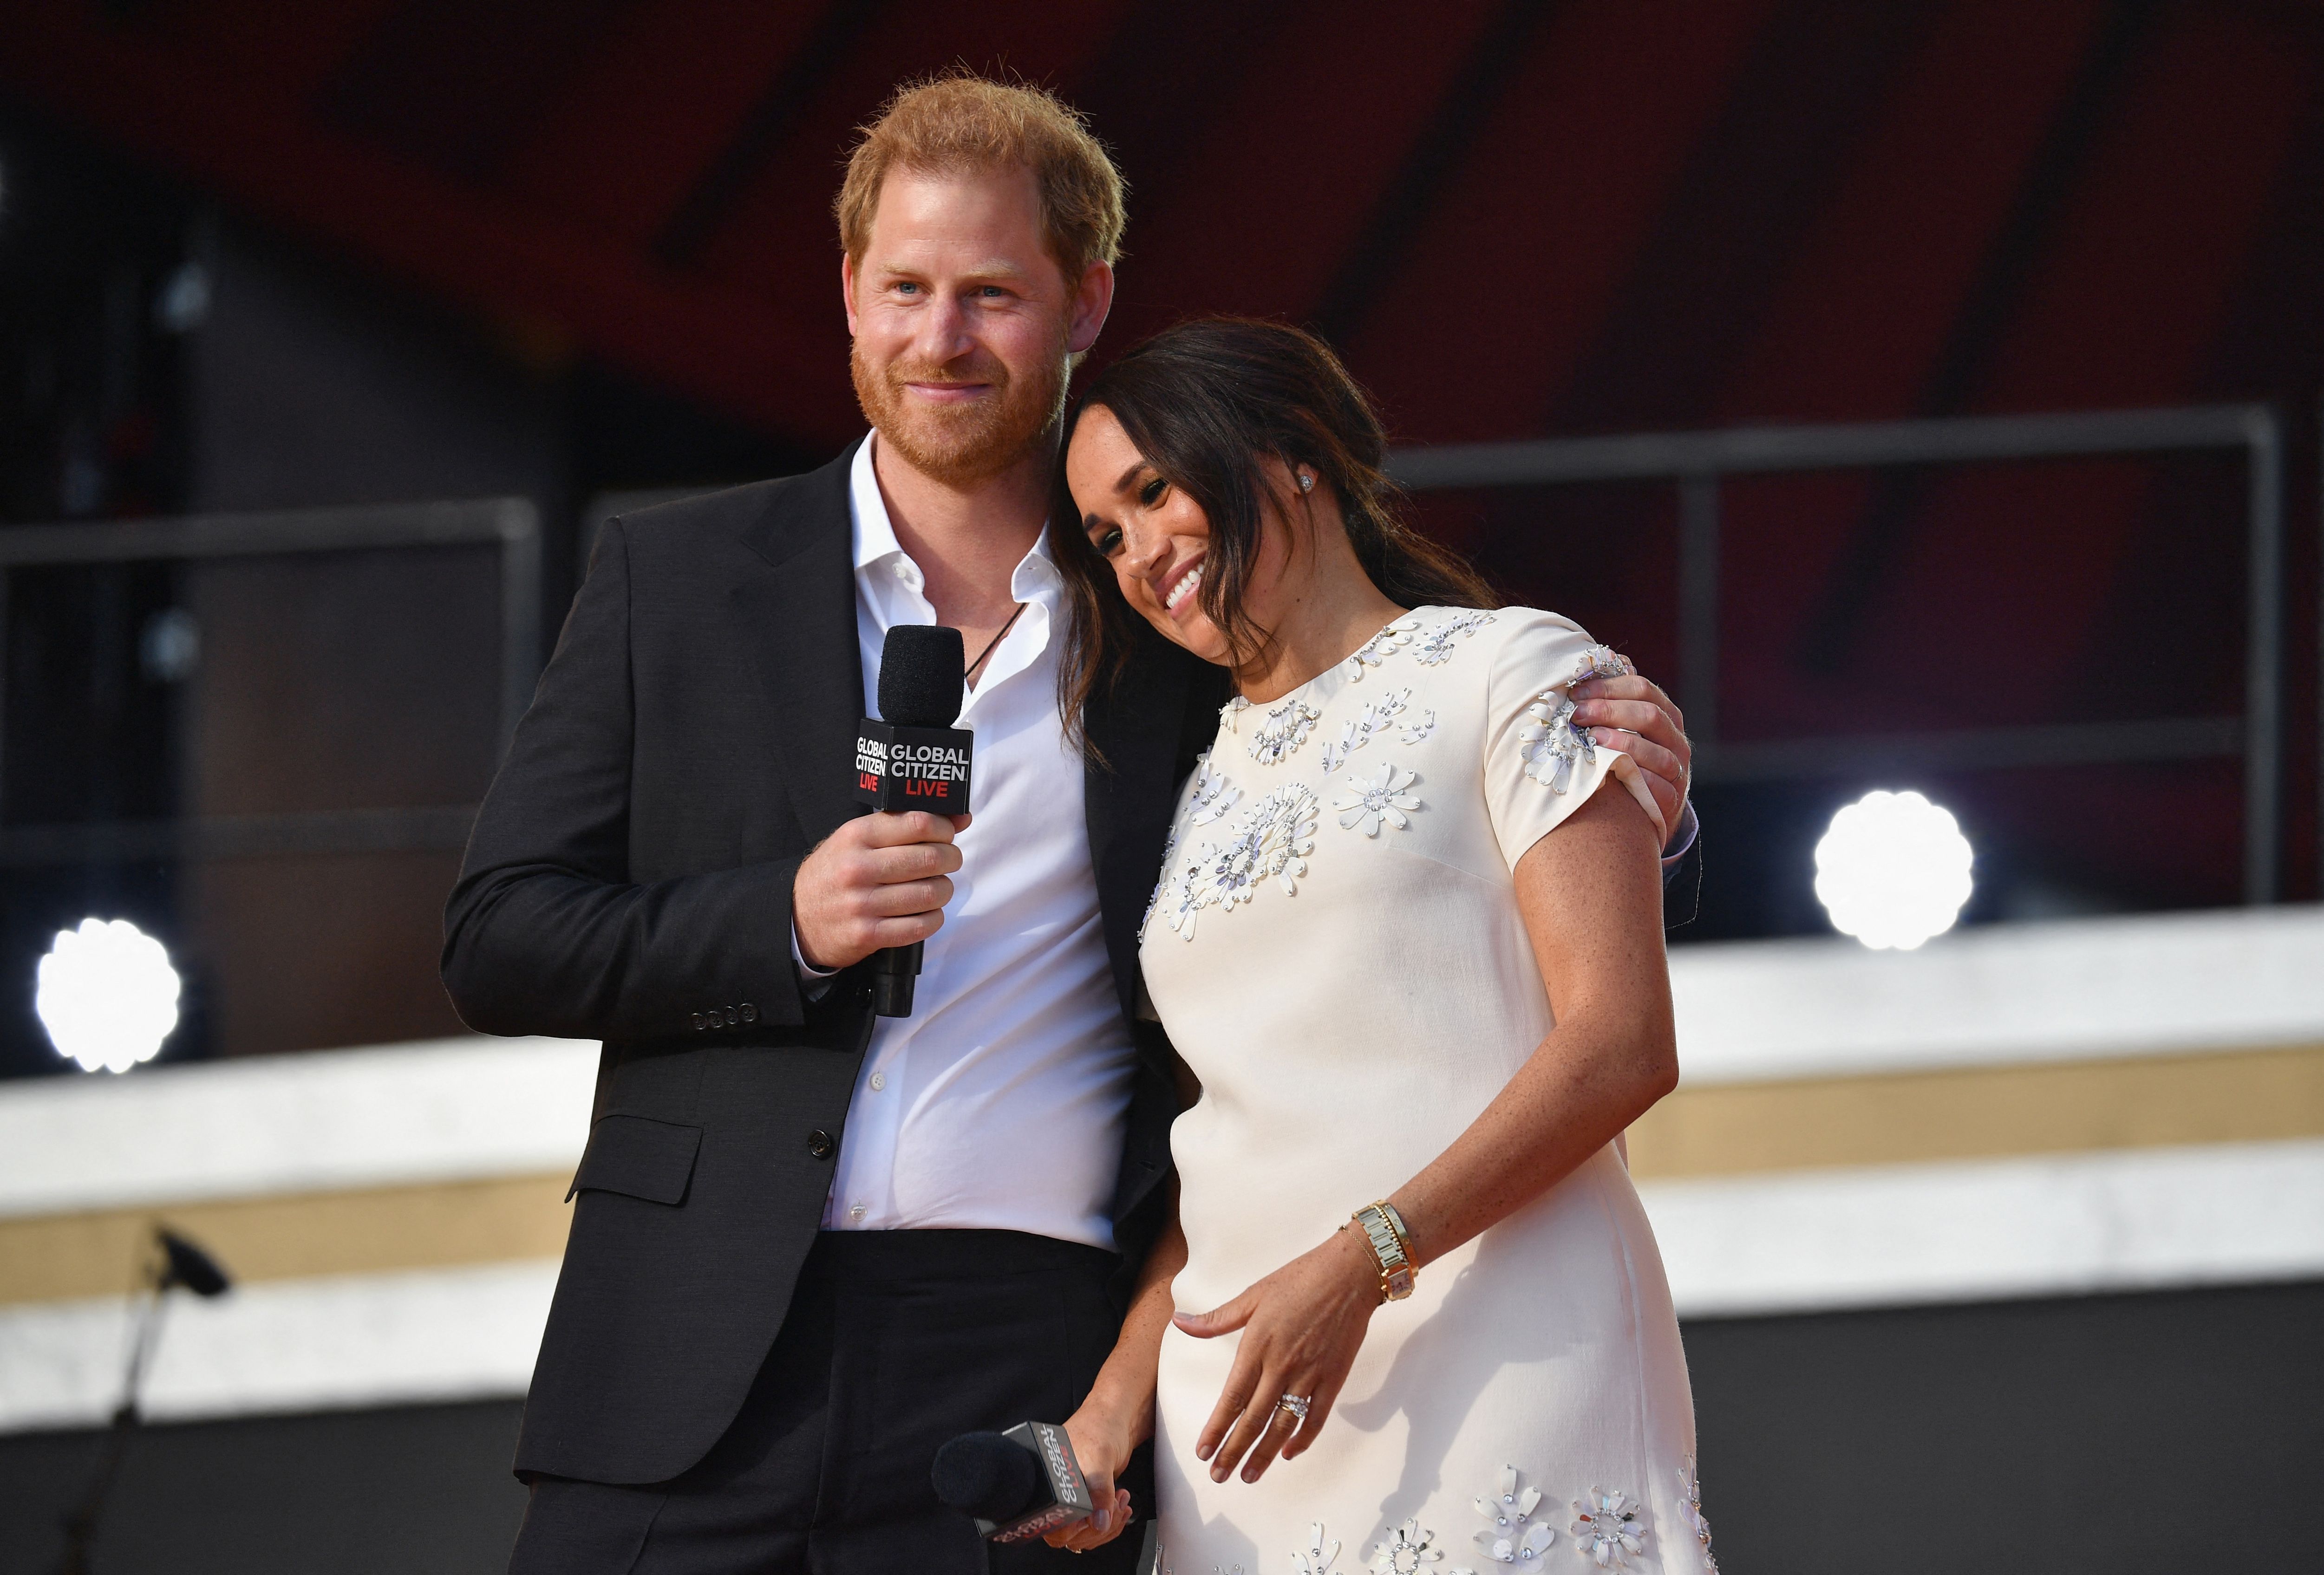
[[1336, 950]]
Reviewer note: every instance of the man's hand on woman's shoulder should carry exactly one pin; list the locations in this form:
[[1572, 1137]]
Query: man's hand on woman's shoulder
[[1633, 715]]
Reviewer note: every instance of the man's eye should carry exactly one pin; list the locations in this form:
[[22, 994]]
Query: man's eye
[[907, 288], [1151, 493]]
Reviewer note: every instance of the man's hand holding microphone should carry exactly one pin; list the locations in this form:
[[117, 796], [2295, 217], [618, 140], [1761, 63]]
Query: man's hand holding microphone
[[879, 880], [877, 886]]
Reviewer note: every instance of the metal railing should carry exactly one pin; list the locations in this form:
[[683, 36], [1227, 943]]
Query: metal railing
[[1695, 462], [1698, 462], [510, 524]]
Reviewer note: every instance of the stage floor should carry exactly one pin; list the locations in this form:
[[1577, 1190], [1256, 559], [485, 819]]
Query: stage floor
[[2099, 1435]]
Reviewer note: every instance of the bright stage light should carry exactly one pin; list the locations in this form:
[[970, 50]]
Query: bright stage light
[[107, 995], [1893, 870]]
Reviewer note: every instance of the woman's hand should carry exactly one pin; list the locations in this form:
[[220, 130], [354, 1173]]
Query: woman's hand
[[1102, 1439], [1302, 1327]]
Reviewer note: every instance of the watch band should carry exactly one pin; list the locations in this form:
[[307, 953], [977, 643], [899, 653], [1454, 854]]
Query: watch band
[[1384, 1231]]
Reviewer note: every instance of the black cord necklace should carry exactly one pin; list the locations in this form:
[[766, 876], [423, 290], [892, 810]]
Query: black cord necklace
[[969, 675]]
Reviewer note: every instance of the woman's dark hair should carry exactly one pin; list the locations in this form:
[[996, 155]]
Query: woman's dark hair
[[1206, 403]]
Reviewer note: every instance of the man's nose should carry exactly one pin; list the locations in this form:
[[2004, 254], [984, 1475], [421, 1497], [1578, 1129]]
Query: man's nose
[[944, 331]]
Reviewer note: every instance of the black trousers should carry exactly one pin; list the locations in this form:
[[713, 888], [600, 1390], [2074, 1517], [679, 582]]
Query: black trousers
[[896, 1341]]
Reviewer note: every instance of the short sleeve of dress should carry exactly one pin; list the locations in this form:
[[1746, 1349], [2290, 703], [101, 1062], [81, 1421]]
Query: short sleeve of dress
[[1540, 768]]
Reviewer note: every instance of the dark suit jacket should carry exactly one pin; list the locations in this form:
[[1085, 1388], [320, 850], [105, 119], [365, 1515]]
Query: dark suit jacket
[[629, 879]]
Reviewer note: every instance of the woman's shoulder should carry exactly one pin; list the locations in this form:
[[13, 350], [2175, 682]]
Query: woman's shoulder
[[1535, 626], [1534, 646]]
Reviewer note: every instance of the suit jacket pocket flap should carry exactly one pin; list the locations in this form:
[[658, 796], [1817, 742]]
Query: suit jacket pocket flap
[[638, 1157]]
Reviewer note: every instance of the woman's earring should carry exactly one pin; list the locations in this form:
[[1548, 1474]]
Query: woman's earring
[[1307, 480]]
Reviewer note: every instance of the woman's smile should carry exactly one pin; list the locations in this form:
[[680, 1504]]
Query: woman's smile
[[1177, 588]]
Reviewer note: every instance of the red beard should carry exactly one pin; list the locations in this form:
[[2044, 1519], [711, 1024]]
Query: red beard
[[962, 444]]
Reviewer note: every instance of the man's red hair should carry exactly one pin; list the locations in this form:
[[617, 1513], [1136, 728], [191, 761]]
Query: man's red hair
[[963, 123]]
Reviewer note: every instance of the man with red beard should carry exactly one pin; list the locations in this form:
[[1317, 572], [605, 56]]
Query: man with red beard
[[810, 1245]]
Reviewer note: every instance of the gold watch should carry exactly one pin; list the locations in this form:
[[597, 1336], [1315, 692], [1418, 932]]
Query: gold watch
[[1384, 1233]]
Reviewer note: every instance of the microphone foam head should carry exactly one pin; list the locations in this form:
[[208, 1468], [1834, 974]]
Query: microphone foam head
[[922, 667], [190, 1266], [987, 1476]]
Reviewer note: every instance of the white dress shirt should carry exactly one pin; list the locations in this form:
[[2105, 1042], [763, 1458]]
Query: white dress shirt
[[1000, 1102]]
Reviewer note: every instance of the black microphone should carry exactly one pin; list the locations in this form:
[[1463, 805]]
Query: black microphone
[[914, 759], [1015, 1485], [187, 1265]]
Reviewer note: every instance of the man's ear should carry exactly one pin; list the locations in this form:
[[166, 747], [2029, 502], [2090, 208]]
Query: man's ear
[[847, 290], [1092, 301]]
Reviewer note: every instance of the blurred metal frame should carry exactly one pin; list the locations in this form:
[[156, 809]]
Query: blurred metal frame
[[511, 524], [1697, 462]]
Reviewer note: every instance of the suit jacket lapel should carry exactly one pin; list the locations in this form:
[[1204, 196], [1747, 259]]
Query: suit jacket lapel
[[797, 595]]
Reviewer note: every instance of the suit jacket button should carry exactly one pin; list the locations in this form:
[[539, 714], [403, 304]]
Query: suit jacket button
[[750, 1012], [734, 1016], [698, 1024], [819, 1143]]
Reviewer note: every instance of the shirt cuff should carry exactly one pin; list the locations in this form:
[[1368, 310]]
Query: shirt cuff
[[1673, 850], [813, 981]]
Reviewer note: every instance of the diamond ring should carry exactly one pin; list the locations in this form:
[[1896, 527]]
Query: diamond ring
[[1295, 1404]]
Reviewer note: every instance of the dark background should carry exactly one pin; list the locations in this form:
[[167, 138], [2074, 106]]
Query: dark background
[[354, 251], [260, 257]]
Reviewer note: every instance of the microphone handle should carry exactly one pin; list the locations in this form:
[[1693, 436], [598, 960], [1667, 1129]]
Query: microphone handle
[[895, 969]]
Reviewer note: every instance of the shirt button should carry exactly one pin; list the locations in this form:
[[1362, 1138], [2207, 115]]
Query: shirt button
[[857, 1212], [879, 1081], [819, 1143]]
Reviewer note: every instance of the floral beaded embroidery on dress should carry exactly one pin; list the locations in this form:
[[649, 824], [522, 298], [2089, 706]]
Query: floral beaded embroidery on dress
[[1511, 1534], [1369, 724], [1212, 795], [1606, 1528], [1435, 646], [1269, 841], [1286, 728], [1553, 743], [1406, 1550], [1316, 1557], [1381, 646], [1690, 1509], [1208, 797], [1366, 803]]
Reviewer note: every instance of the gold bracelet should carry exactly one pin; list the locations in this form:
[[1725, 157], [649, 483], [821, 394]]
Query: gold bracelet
[[1384, 1233]]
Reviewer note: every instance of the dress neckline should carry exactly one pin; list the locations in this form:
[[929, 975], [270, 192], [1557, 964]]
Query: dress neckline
[[1329, 667]]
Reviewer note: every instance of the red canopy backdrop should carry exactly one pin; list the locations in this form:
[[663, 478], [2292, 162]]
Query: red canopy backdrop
[[1516, 218]]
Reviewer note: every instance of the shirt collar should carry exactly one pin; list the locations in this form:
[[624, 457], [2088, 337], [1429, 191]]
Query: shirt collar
[[1036, 576], [874, 532]]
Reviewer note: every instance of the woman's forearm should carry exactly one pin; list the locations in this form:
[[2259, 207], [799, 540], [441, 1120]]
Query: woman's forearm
[[1594, 910], [1125, 1385], [1574, 1096]]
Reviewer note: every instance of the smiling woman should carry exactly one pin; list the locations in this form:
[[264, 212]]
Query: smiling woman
[[1409, 952], [1204, 433]]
